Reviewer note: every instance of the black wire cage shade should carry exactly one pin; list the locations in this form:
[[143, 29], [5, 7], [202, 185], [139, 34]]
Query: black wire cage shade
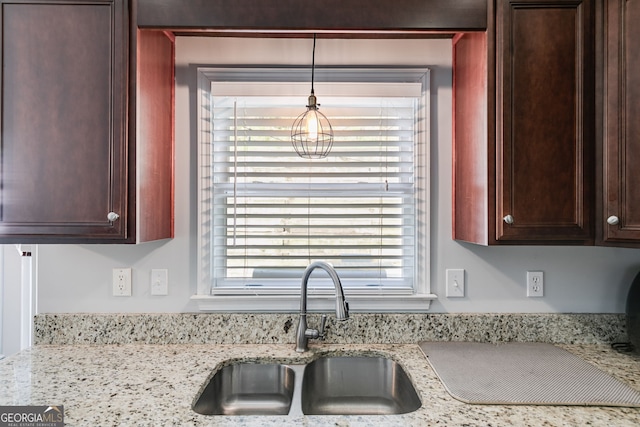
[[311, 133]]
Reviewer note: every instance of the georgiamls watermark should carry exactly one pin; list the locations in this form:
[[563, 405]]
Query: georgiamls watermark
[[31, 416]]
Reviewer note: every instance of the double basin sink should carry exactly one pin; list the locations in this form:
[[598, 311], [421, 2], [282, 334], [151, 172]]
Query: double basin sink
[[330, 385]]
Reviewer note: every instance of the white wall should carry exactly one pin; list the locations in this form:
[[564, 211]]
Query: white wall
[[77, 278], [10, 296]]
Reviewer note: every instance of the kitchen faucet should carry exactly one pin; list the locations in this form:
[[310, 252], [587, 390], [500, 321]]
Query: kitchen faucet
[[304, 334]]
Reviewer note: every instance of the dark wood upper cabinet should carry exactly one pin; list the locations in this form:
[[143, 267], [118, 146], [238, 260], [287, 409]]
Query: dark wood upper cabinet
[[74, 167], [619, 222], [529, 180], [379, 16], [545, 120]]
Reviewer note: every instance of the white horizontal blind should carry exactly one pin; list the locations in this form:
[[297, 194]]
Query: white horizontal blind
[[273, 213]]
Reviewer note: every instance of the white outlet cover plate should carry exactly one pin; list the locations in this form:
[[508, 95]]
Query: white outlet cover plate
[[121, 282], [535, 284]]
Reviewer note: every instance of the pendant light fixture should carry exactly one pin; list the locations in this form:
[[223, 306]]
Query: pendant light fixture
[[311, 133]]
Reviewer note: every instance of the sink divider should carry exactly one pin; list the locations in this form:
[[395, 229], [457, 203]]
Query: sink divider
[[296, 399]]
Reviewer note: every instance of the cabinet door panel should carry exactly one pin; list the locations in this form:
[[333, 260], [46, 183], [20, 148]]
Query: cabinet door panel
[[622, 123], [63, 120], [544, 126]]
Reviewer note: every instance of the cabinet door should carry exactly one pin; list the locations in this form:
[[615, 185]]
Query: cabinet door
[[545, 95], [63, 141], [622, 122]]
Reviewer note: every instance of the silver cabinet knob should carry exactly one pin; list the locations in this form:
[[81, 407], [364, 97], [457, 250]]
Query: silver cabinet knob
[[508, 219], [613, 220], [112, 216]]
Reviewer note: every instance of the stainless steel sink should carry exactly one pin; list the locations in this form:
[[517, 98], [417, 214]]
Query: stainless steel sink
[[330, 385], [357, 386], [248, 389]]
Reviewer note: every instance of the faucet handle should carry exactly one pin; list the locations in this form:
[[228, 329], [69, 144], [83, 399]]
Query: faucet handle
[[317, 334]]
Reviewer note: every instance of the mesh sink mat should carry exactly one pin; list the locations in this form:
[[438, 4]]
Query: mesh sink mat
[[523, 374]]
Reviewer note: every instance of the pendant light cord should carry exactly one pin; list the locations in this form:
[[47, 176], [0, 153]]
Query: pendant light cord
[[313, 63]]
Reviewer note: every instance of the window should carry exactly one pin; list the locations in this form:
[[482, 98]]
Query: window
[[265, 213]]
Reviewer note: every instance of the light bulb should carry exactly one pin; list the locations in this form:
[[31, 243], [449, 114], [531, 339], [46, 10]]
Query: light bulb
[[311, 125]]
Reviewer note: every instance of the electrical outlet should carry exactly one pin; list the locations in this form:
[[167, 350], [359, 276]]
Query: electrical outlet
[[535, 283], [455, 283], [121, 282], [160, 282]]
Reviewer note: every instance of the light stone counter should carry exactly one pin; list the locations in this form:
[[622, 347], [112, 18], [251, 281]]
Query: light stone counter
[[155, 385]]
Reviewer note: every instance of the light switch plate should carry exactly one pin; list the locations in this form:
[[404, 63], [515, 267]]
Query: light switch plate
[[455, 283], [160, 281]]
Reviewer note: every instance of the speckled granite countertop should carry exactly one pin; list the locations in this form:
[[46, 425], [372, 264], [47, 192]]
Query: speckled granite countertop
[[155, 385]]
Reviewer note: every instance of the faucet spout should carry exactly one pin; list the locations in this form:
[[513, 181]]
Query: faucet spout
[[303, 333]]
